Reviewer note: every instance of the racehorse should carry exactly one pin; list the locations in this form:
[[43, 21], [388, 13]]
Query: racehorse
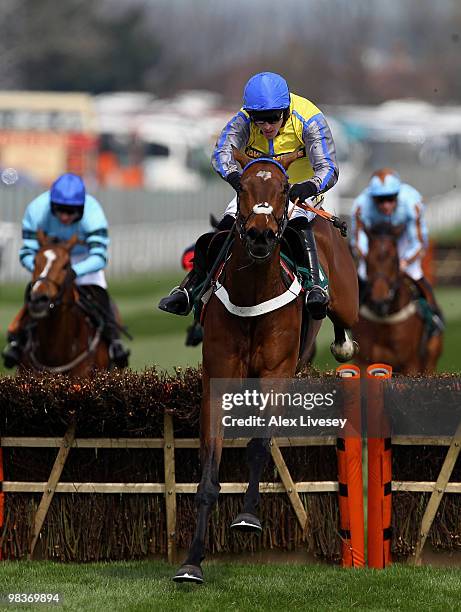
[[61, 336], [243, 341], [391, 327]]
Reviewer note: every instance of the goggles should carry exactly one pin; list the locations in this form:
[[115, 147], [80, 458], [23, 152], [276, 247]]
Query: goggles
[[385, 198], [65, 209], [266, 117]]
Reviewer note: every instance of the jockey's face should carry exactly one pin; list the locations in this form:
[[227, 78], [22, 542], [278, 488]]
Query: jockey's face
[[269, 123], [386, 204], [66, 214], [269, 130]]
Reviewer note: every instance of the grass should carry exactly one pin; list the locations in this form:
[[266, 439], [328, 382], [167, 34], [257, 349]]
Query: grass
[[146, 585], [159, 337]]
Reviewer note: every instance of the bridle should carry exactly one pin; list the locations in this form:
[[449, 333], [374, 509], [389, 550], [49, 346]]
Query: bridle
[[242, 221], [61, 288], [393, 284], [57, 301]]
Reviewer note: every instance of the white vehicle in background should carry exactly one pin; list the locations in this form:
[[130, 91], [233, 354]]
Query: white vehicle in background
[[166, 144]]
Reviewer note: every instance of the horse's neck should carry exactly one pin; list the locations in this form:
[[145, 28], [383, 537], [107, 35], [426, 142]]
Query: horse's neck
[[249, 283], [58, 334]]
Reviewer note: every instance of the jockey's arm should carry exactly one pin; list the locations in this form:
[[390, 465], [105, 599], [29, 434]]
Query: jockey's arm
[[357, 226], [30, 245], [321, 151], [416, 235], [236, 133], [96, 235]]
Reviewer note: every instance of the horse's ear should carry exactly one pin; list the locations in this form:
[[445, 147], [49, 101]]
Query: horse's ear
[[69, 245], [286, 160], [42, 238], [241, 158]]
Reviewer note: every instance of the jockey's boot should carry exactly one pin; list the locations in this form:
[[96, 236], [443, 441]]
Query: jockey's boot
[[118, 353], [426, 291], [317, 299], [12, 352], [180, 301], [16, 338]]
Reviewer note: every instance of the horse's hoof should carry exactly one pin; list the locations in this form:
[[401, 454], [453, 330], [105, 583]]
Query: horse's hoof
[[344, 352], [189, 573], [246, 522]]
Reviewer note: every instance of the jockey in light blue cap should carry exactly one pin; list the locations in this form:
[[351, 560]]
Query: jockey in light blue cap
[[386, 199], [66, 209]]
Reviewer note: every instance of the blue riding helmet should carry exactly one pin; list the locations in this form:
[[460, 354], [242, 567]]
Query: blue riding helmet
[[266, 91], [68, 190], [384, 184]]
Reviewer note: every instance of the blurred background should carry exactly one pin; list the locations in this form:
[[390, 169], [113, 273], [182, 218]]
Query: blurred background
[[132, 95]]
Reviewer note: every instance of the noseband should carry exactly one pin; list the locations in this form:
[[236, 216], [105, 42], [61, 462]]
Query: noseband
[[281, 222], [60, 288]]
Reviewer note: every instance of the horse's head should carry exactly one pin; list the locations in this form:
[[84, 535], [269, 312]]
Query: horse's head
[[383, 269], [262, 211], [51, 276]]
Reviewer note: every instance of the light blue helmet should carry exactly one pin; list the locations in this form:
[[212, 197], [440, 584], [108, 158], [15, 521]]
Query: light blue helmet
[[68, 190], [385, 182], [266, 91]]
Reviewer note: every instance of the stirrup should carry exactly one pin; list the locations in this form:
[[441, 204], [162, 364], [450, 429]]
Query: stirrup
[[318, 308], [170, 303]]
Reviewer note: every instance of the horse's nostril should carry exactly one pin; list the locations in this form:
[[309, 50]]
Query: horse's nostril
[[261, 237], [253, 233], [269, 235]]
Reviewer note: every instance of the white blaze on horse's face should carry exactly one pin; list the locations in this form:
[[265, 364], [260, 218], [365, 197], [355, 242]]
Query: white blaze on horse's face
[[262, 208], [50, 257], [264, 174]]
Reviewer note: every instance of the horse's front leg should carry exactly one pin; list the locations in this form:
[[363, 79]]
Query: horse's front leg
[[343, 348], [257, 456], [206, 497]]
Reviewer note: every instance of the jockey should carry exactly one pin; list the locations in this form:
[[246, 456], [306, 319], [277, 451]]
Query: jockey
[[387, 200], [61, 212], [271, 123]]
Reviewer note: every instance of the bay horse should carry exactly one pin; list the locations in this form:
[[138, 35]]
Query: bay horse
[[391, 328], [264, 344], [61, 336]]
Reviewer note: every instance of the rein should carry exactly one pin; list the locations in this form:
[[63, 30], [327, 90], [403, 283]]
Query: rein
[[71, 364], [60, 288]]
